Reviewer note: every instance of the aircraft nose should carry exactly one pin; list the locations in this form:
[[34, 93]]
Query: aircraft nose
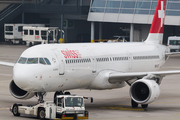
[[23, 77]]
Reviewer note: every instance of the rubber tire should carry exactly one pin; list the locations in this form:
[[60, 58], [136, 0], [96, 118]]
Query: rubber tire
[[144, 105], [15, 110], [23, 42], [11, 43], [56, 94], [134, 104], [67, 93], [41, 113], [30, 44]]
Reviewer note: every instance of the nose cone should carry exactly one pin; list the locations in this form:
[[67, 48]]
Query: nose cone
[[23, 77]]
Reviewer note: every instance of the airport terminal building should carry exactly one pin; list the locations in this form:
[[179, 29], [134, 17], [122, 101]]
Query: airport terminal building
[[87, 20]]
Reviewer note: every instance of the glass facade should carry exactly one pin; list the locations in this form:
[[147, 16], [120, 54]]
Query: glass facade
[[146, 7]]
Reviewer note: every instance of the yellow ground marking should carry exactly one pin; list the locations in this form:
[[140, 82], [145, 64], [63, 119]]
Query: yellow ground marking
[[70, 118], [124, 108], [177, 113]]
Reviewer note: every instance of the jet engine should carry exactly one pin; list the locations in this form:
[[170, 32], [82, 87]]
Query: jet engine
[[18, 92], [144, 91]]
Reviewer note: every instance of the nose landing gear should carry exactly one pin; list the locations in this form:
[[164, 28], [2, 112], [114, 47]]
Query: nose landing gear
[[40, 94]]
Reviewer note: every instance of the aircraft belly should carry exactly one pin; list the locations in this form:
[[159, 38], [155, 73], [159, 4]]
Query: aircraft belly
[[66, 82]]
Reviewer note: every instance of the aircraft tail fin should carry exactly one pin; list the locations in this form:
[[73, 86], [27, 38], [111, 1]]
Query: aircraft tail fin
[[157, 27]]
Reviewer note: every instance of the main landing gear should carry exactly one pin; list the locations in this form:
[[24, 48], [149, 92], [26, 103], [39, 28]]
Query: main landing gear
[[135, 105], [60, 93]]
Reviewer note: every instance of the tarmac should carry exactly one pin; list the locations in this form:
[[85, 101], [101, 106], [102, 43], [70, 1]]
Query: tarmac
[[108, 104]]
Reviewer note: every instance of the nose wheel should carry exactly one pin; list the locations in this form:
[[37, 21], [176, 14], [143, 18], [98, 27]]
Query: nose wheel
[[40, 95], [56, 94]]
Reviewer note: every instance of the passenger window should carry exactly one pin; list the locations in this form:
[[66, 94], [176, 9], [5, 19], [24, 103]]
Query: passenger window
[[36, 32], [22, 60], [20, 28], [41, 61], [47, 61], [32, 61], [25, 32], [31, 32]]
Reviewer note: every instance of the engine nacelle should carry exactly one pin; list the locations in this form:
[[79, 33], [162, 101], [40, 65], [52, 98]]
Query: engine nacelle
[[101, 81], [144, 91], [18, 92]]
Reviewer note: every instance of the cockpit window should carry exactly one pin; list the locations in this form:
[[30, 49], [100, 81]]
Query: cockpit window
[[22, 60], [32, 61], [41, 61], [47, 61]]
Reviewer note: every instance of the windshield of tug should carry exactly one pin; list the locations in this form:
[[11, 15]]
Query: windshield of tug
[[71, 102]]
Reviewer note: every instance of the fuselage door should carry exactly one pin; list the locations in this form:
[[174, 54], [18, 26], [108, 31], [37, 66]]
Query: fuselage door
[[61, 62], [94, 63], [129, 59]]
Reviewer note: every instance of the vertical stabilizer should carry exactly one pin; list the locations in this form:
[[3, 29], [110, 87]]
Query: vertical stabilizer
[[157, 27]]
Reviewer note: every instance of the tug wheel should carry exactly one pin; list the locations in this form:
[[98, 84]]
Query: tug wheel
[[41, 114], [15, 110]]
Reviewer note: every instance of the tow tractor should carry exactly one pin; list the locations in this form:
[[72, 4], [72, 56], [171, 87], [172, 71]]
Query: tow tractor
[[64, 107]]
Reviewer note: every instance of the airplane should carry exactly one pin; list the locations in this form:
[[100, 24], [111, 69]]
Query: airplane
[[99, 66]]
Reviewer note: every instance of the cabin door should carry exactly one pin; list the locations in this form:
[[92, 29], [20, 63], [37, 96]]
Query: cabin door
[[129, 60], [93, 61], [61, 62]]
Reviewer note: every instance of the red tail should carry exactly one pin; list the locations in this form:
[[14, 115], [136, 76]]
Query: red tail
[[157, 27]]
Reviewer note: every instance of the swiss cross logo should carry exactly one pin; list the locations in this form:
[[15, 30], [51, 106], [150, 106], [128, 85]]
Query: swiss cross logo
[[161, 13], [71, 53], [159, 16]]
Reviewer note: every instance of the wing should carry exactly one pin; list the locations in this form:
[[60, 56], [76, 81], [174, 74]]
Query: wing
[[119, 76], [172, 54], [7, 64]]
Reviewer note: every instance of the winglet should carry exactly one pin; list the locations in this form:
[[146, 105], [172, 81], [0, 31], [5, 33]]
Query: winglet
[[157, 27]]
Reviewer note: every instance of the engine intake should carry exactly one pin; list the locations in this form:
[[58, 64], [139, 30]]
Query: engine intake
[[18, 92], [144, 91]]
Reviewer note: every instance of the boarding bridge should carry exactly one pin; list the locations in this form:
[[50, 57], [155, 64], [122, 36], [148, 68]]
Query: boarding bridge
[[9, 13], [75, 7]]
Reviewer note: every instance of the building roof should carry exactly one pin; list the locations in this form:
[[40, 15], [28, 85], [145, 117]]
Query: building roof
[[132, 11]]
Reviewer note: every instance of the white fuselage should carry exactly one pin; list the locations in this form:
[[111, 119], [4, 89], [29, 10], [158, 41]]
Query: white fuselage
[[75, 66]]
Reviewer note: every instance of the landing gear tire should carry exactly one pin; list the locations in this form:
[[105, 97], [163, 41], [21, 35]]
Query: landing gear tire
[[15, 110], [67, 93], [30, 44], [41, 114], [144, 106], [134, 104], [11, 43], [56, 94], [23, 42]]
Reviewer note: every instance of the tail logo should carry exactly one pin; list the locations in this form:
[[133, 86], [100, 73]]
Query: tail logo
[[161, 13]]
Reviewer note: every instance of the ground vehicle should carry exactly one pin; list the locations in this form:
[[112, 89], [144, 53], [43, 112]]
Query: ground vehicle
[[174, 43], [118, 39], [115, 39], [34, 35], [66, 107], [13, 32]]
